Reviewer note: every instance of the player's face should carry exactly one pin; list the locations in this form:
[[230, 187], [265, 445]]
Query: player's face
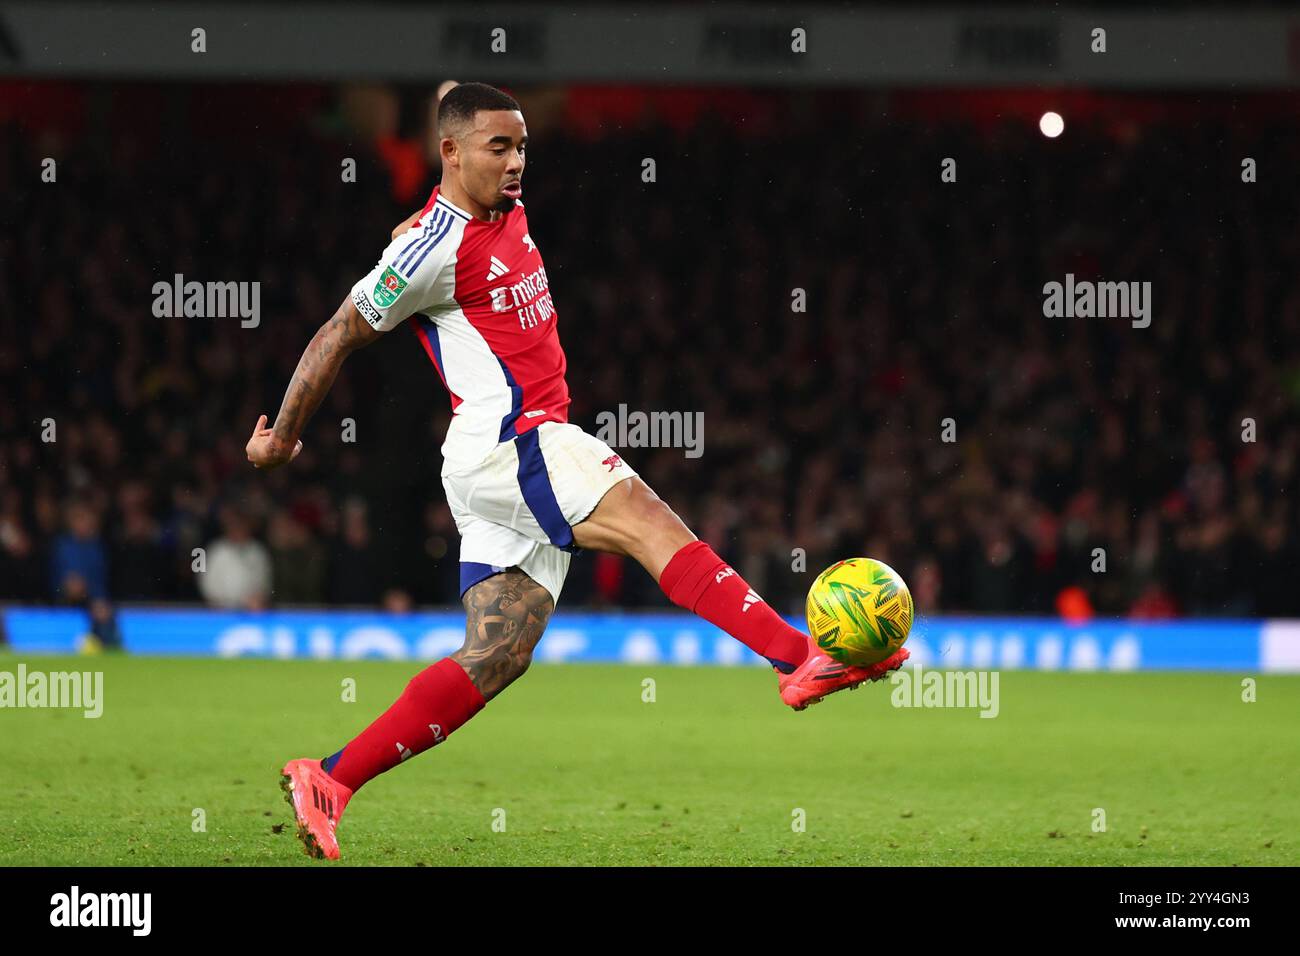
[[492, 158]]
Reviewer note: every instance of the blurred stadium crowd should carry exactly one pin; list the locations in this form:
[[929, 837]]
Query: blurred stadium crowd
[[822, 428]]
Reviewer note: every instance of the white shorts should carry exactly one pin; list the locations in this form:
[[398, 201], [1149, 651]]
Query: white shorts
[[517, 507]]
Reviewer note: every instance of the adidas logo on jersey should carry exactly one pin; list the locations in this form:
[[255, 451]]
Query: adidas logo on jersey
[[750, 599], [497, 269]]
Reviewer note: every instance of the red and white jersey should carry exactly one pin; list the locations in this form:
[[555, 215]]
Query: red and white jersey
[[478, 297]]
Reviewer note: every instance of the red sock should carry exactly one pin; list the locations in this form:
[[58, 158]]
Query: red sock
[[437, 700], [700, 581]]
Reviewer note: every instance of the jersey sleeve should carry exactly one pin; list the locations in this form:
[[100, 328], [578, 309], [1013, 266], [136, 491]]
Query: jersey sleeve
[[414, 274]]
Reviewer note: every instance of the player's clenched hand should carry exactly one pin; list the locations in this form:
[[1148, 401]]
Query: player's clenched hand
[[264, 451]]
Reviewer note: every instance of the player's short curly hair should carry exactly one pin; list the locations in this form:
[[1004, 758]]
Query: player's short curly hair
[[461, 102]]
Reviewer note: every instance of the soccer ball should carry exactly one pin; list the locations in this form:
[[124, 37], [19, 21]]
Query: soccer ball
[[859, 611]]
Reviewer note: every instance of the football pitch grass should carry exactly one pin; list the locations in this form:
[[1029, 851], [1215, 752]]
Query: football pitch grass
[[583, 771]]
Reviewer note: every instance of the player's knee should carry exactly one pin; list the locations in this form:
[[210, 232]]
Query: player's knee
[[494, 673], [520, 662], [657, 522], [512, 668], [651, 511]]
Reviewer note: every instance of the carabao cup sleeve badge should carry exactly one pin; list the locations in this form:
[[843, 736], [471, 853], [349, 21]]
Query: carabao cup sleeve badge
[[388, 288]]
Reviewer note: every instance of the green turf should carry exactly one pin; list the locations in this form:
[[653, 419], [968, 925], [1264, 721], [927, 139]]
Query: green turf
[[709, 773]]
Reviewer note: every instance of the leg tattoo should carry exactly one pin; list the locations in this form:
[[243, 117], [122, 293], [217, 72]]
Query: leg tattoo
[[505, 617]]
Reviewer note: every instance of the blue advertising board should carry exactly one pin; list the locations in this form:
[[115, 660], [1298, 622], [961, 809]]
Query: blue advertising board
[[669, 637]]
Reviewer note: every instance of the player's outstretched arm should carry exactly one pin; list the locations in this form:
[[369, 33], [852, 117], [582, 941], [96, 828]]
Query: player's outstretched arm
[[346, 332]]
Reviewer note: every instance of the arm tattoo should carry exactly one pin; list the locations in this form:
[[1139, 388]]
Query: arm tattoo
[[332, 343], [505, 617]]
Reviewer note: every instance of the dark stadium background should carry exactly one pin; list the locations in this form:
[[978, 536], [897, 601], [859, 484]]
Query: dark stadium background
[[820, 428]]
